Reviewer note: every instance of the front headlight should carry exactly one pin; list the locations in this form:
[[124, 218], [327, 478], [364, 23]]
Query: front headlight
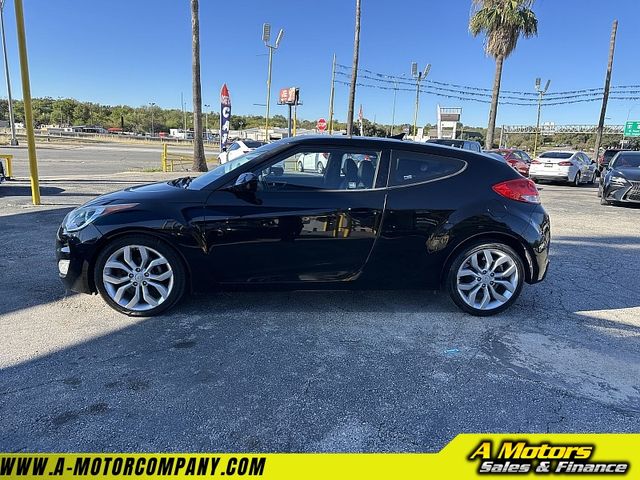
[[81, 217], [619, 180]]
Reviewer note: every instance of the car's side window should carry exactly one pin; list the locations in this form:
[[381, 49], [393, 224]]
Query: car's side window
[[525, 156], [335, 169], [412, 167]]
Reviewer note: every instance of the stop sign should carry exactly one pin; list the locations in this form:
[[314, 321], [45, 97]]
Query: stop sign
[[321, 125]]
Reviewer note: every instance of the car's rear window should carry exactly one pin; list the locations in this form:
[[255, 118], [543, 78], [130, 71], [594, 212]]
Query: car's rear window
[[412, 167], [556, 155], [253, 143]]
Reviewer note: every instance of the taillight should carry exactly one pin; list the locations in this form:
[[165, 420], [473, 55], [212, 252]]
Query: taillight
[[565, 164], [520, 189], [537, 162]]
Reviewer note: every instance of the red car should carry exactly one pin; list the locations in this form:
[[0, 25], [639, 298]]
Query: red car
[[518, 159]]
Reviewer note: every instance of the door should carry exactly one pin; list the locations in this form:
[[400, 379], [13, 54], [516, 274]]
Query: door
[[297, 226]]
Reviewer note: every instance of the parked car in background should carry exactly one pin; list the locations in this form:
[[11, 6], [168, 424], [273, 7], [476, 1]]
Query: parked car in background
[[464, 144], [312, 162], [607, 156], [564, 166], [518, 159], [620, 180], [238, 148], [384, 214]]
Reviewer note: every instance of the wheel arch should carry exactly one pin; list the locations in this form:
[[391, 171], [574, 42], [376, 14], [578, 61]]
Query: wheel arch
[[517, 244], [116, 234]]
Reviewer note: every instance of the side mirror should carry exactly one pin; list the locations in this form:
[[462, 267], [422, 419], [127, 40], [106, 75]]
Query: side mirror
[[246, 183]]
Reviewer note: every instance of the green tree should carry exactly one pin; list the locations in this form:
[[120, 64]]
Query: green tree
[[503, 22]]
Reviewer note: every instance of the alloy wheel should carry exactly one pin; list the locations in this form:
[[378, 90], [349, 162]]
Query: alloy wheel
[[138, 277], [487, 279]]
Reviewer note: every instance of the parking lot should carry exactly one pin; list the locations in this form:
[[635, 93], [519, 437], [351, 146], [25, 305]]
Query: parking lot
[[310, 371]]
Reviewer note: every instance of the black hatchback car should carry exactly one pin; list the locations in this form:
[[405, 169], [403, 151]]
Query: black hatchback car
[[620, 180], [383, 214]]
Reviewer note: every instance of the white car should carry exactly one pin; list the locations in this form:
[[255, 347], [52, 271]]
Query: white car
[[238, 148], [312, 162], [565, 166]]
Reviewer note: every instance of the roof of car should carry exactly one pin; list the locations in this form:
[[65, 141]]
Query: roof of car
[[572, 152]]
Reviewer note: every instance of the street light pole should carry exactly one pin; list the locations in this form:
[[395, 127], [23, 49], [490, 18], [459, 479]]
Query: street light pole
[[541, 93], [418, 76], [151, 105], [14, 140], [266, 36], [206, 120]]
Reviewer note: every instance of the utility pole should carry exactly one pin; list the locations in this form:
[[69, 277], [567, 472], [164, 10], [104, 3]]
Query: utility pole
[[418, 76], [14, 140], [354, 71], [541, 92], [266, 36], [332, 95], [26, 96], [393, 110], [607, 84]]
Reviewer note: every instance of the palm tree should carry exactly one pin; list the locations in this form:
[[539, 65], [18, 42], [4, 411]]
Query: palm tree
[[354, 71], [199, 160], [503, 22]]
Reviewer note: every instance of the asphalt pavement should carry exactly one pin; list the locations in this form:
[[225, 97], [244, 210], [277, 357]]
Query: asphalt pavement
[[311, 371]]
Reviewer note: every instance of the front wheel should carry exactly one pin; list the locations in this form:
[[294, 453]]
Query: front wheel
[[300, 166], [485, 279], [139, 276], [320, 168], [576, 180]]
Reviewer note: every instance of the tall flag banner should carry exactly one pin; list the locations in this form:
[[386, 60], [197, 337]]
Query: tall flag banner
[[360, 116], [225, 116]]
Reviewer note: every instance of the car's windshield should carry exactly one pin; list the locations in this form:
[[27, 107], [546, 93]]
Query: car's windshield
[[627, 160], [225, 168], [557, 155], [609, 154]]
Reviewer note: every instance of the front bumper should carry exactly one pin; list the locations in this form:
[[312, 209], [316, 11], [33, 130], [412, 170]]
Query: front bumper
[[74, 255], [629, 193]]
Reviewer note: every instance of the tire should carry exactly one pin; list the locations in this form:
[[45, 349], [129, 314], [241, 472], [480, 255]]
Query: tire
[[300, 166], [576, 180], [320, 168], [604, 201], [157, 289], [502, 294]]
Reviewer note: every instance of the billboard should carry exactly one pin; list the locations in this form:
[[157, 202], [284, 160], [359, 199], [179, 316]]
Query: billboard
[[289, 96], [225, 116]]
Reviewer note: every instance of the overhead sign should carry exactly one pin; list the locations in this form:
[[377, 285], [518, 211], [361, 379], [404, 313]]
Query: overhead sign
[[289, 96], [321, 125], [632, 129], [225, 116]]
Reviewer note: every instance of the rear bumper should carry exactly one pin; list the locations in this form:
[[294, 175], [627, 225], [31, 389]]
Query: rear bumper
[[538, 238]]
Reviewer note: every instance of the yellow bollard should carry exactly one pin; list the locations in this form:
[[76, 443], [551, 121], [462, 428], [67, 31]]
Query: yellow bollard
[[9, 170], [164, 157], [26, 96]]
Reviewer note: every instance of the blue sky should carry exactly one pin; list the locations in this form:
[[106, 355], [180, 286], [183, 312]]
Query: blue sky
[[138, 51]]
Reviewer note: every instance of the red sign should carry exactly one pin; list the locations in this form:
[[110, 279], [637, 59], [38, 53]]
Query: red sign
[[321, 125]]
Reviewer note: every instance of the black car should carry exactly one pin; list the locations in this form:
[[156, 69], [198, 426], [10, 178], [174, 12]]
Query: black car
[[383, 214], [620, 181]]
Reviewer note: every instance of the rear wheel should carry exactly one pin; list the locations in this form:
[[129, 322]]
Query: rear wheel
[[300, 166], [320, 168], [139, 276], [486, 278]]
